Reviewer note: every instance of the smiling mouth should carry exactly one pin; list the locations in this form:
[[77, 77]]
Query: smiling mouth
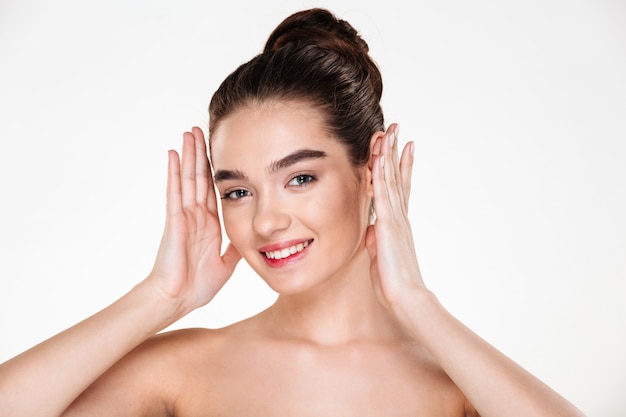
[[287, 252]]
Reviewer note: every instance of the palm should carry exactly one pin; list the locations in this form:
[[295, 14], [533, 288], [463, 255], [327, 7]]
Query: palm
[[190, 266], [390, 241]]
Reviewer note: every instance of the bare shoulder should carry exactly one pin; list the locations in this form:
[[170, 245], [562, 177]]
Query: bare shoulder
[[433, 390], [365, 379], [208, 372], [149, 379], [428, 374]]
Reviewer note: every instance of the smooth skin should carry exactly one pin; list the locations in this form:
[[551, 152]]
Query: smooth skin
[[359, 334]]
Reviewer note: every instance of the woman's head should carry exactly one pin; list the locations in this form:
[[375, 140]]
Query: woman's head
[[290, 134], [315, 59]]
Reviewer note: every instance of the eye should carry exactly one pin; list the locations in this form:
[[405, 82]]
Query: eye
[[236, 194], [300, 180]]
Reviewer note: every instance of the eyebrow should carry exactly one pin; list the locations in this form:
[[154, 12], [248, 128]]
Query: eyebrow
[[226, 174], [287, 161], [294, 158]]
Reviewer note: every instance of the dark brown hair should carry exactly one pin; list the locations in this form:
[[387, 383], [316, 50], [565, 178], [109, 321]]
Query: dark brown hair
[[315, 58]]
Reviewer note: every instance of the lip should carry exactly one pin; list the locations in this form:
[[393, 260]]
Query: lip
[[277, 263], [282, 245]]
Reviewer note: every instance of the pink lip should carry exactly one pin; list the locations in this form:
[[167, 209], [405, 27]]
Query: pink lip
[[279, 263], [282, 245]]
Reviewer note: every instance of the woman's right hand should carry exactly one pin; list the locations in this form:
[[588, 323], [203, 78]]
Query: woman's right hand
[[190, 268]]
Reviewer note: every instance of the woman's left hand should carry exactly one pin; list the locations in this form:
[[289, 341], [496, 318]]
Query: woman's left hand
[[476, 367], [394, 267]]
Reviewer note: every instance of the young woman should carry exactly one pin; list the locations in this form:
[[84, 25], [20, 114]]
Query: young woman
[[299, 155]]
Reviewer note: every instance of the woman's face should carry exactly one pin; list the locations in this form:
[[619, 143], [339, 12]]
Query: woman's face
[[292, 203]]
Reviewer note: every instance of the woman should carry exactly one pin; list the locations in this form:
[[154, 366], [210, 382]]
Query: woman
[[299, 153]]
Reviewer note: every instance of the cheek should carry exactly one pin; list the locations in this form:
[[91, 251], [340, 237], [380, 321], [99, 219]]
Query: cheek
[[345, 212], [355, 201]]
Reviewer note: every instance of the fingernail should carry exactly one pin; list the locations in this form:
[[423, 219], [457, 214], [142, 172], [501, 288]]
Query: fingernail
[[397, 130], [392, 138], [412, 148], [382, 161]]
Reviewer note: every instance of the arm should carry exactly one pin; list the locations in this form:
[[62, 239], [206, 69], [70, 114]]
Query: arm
[[188, 272], [493, 383]]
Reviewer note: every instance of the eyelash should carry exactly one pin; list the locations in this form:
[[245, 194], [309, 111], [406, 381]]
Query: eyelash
[[228, 195], [308, 179], [302, 180]]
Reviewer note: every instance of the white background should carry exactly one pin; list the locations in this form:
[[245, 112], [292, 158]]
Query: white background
[[518, 110]]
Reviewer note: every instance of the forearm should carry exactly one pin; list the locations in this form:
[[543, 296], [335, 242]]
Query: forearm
[[44, 380], [492, 382]]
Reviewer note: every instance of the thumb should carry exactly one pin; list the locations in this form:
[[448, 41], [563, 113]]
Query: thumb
[[231, 257]]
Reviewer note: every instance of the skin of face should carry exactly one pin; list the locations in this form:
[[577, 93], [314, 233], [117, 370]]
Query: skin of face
[[287, 185]]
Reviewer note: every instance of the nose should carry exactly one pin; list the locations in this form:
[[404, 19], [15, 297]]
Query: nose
[[270, 216]]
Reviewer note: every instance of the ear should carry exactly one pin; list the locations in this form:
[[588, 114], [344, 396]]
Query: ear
[[375, 143]]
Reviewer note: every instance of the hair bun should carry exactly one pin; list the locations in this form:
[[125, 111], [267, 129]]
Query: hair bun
[[317, 27], [316, 59]]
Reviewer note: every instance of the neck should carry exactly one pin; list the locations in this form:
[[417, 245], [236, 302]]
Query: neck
[[342, 310]]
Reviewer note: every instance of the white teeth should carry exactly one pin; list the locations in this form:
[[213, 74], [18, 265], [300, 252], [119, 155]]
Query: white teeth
[[284, 253]]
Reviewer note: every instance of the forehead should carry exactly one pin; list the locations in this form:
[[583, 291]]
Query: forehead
[[261, 133]]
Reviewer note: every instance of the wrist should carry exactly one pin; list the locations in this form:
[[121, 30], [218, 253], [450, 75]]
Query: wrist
[[416, 308], [162, 307]]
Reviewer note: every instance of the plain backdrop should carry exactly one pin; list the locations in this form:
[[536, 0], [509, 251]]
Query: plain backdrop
[[518, 110]]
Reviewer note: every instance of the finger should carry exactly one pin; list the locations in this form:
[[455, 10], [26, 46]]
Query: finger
[[381, 197], [188, 170], [397, 165], [231, 257], [173, 194], [211, 196], [406, 170], [202, 166], [391, 172], [395, 134]]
